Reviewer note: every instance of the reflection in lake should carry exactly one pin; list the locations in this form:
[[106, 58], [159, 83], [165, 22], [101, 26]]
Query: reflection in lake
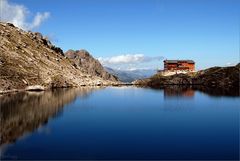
[[121, 123], [26, 111], [189, 91], [178, 91], [219, 91]]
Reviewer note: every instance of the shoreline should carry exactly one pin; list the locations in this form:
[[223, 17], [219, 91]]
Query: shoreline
[[38, 88], [113, 85]]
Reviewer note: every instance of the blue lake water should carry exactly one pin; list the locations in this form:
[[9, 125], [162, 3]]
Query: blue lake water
[[120, 123]]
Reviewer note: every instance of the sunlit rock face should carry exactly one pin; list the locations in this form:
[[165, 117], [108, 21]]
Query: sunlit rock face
[[25, 112], [85, 62], [28, 58]]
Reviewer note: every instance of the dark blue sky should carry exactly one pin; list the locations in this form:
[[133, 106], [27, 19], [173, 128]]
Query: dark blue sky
[[206, 31]]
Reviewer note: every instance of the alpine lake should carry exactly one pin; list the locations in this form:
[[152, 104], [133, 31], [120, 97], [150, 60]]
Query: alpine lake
[[121, 123]]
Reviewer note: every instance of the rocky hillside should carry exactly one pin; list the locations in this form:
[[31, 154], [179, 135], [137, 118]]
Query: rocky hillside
[[28, 59], [216, 76], [219, 76], [87, 64]]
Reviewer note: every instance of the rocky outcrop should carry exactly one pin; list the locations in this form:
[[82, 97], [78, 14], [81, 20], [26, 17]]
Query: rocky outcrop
[[28, 59], [158, 80], [87, 64], [216, 76]]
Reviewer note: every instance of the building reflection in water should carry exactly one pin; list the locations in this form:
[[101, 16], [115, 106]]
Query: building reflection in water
[[178, 91], [25, 112], [172, 91]]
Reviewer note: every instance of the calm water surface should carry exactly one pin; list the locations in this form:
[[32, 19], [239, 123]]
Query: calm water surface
[[120, 123]]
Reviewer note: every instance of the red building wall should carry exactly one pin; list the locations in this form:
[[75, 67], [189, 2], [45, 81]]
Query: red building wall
[[180, 65]]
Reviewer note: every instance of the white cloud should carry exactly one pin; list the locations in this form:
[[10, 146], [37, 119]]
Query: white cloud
[[39, 18], [137, 68], [17, 14], [128, 59], [230, 64]]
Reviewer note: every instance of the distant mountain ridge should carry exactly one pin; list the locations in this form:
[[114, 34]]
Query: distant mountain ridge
[[131, 75]]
